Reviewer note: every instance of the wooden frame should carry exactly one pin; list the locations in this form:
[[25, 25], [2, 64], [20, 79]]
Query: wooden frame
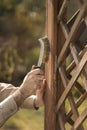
[[64, 37]]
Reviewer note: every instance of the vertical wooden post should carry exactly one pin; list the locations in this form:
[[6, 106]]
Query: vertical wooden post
[[55, 93], [51, 120]]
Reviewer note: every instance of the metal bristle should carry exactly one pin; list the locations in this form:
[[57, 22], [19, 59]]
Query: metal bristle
[[45, 41]]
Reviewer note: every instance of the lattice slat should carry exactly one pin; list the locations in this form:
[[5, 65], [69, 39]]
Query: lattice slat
[[77, 51], [76, 59], [78, 103], [72, 33], [78, 70], [72, 65], [80, 120]]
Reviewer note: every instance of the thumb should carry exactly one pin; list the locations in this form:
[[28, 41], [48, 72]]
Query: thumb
[[33, 67], [43, 86]]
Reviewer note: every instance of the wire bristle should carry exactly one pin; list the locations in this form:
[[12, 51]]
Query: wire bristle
[[46, 49]]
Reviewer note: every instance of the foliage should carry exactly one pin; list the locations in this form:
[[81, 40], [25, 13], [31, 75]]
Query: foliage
[[22, 22]]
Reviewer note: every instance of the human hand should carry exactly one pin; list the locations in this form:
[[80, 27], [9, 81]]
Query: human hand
[[31, 82], [39, 101]]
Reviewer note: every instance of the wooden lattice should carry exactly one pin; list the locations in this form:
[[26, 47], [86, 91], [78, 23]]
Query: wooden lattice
[[72, 65]]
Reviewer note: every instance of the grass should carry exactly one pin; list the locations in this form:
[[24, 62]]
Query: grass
[[26, 120]]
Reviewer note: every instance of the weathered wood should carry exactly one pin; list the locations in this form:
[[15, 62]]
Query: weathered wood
[[61, 121], [72, 81], [72, 19], [72, 65], [62, 10], [80, 120], [77, 85], [81, 27], [78, 103], [76, 58], [72, 33], [80, 30], [61, 35], [70, 97], [50, 122]]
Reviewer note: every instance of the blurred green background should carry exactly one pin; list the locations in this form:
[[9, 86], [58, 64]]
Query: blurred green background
[[22, 22]]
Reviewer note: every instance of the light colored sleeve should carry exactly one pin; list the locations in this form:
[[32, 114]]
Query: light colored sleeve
[[8, 107], [29, 102], [8, 89]]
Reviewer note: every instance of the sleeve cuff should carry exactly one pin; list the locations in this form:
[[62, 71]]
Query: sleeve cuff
[[30, 103]]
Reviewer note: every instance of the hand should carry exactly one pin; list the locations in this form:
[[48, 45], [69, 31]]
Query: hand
[[31, 82], [39, 101]]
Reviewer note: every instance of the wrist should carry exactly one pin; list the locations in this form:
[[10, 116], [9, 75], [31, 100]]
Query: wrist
[[18, 97]]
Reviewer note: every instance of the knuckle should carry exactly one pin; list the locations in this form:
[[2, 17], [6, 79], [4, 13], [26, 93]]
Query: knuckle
[[31, 76]]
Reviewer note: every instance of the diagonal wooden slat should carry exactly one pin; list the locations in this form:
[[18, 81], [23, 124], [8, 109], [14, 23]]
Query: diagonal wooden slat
[[70, 97], [63, 7], [72, 19], [72, 33], [76, 58], [77, 85], [80, 120], [78, 103], [73, 51], [80, 30], [78, 70], [72, 65]]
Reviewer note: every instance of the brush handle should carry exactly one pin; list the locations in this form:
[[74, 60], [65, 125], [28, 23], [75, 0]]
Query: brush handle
[[37, 67]]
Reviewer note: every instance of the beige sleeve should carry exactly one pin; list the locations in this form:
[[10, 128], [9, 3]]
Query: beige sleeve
[[29, 102], [7, 108], [7, 103], [7, 90]]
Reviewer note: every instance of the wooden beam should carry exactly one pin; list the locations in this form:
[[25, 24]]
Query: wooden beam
[[50, 120]]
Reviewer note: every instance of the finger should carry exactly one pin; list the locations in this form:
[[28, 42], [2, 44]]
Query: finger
[[37, 71], [42, 88], [44, 82], [33, 67]]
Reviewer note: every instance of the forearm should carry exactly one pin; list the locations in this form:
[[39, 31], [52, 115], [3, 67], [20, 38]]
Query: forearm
[[11, 104], [18, 97], [8, 89], [8, 107]]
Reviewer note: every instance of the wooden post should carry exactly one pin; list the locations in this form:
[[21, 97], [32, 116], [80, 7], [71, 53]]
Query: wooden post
[[52, 92], [60, 42]]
